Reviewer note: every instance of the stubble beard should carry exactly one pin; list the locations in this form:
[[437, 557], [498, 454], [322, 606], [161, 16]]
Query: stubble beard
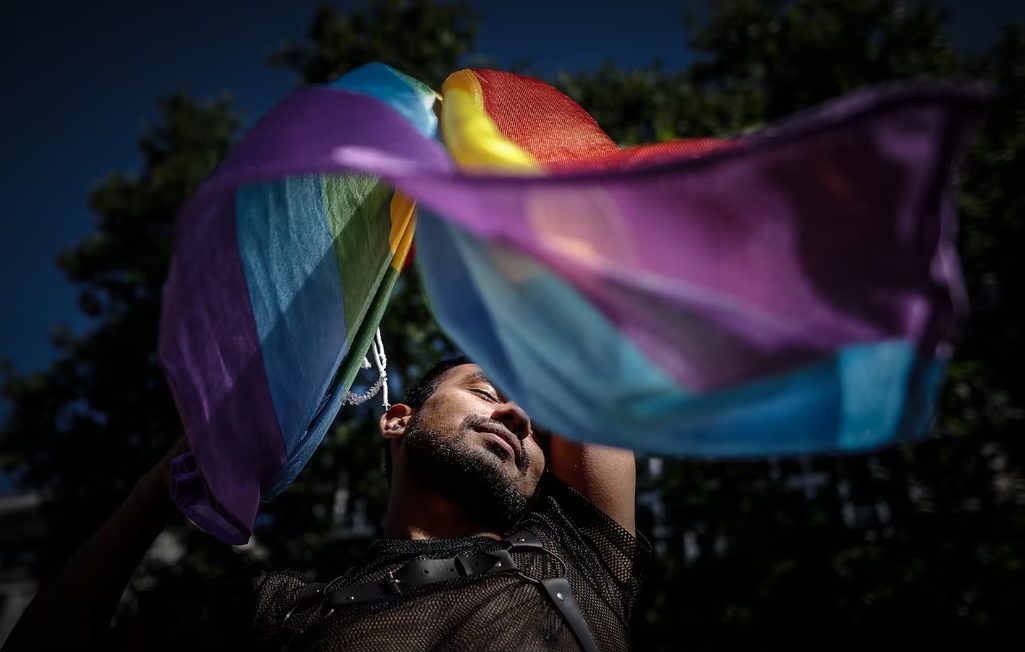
[[469, 476]]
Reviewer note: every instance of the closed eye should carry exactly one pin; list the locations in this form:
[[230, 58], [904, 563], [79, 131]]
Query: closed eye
[[486, 394]]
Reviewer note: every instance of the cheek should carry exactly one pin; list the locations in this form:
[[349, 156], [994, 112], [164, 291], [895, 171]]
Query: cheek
[[537, 461], [537, 454], [530, 482], [445, 414]]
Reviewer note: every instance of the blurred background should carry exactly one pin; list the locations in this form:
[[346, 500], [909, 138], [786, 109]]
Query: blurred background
[[115, 111]]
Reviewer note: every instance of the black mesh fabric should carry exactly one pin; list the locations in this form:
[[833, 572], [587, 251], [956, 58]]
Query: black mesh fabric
[[496, 611]]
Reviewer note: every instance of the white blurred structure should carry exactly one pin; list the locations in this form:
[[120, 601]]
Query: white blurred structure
[[20, 522]]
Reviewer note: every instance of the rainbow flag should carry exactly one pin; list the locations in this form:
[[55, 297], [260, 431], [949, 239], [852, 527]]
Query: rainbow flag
[[278, 281], [793, 291]]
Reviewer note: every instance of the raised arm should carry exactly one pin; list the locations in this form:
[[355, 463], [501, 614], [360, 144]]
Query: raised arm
[[606, 476], [72, 610]]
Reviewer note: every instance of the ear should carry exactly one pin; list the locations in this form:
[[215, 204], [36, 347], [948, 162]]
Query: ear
[[395, 420]]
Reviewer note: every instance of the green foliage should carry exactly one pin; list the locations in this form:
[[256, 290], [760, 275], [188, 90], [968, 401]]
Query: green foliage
[[909, 535], [648, 105], [992, 204], [804, 52], [419, 37], [920, 536], [83, 431]]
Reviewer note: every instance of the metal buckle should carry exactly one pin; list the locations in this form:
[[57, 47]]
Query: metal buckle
[[307, 595], [393, 583]]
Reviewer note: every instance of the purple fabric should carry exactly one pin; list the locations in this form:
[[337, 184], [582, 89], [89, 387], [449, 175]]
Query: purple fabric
[[208, 345], [808, 237], [219, 382], [306, 130]]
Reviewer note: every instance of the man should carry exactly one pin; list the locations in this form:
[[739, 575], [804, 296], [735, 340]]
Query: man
[[467, 469]]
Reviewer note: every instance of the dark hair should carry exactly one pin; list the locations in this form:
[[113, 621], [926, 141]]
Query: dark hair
[[420, 392]]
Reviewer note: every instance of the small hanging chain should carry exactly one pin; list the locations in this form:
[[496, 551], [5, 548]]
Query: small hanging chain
[[381, 384]]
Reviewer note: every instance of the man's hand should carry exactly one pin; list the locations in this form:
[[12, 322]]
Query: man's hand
[[153, 486]]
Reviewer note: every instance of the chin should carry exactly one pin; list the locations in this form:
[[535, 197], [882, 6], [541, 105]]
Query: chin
[[484, 454]]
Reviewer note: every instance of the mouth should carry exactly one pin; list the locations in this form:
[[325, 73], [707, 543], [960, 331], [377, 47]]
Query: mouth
[[504, 439]]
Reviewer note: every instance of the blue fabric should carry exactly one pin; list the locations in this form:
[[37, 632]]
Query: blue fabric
[[401, 92], [570, 366], [589, 382], [439, 259], [311, 416], [313, 434], [875, 380], [926, 379], [292, 275]]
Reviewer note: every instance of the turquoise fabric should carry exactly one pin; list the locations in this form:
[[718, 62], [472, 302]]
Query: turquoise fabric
[[410, 97], [519, 320], [296, 294]]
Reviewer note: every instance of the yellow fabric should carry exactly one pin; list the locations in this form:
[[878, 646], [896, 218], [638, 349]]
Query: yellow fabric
[[472, 139]]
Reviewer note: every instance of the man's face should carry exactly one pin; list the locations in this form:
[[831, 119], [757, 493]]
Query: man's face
[[475, 447]]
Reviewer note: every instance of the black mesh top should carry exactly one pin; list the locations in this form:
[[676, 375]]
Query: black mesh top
[[495, 611]]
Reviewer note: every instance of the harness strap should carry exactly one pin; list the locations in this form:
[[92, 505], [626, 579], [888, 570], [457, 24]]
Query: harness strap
[[422, 572], [561, 596]]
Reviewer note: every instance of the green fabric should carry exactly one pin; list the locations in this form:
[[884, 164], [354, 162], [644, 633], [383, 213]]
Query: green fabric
[[358, 212]]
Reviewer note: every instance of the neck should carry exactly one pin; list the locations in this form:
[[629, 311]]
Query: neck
[[418, 512]]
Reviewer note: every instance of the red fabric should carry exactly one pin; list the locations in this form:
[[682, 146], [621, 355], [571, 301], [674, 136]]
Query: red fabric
[[545, 123], [673, 150], [563, 137], [409, 257]]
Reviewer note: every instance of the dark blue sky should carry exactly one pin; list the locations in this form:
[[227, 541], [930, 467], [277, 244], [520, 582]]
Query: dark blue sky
[[82, 80]]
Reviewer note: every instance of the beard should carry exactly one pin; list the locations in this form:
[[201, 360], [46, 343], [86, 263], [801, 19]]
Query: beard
[[469, 476]]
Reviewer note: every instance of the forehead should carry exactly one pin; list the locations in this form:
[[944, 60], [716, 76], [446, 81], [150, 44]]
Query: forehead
[[464, 374]]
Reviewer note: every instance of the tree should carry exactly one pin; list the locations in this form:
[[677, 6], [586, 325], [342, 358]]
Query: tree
[[421, 38], [919, 535], [912, 535], [82, 431]]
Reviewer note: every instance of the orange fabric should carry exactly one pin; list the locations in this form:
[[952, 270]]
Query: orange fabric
[[403, 223]]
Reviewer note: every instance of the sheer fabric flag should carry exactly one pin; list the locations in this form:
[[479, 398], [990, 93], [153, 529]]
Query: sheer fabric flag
[[281, 270], [794, 291]]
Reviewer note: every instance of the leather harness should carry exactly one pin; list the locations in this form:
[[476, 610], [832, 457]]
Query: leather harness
[[422, 572]]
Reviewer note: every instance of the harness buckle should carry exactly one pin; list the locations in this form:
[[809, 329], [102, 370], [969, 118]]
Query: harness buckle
[[392, 583]]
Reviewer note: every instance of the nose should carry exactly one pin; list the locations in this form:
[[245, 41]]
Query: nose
[[514, 418]]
